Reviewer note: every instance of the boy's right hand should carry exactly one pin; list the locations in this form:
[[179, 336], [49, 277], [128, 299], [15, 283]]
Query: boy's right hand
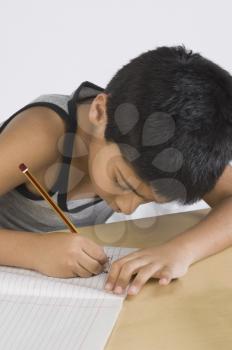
[[67, 254]]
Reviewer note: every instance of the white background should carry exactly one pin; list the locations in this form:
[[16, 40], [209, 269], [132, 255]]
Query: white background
[[52, 46]]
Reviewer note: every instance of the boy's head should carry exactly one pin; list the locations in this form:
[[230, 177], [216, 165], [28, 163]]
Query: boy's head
[[169, 114]]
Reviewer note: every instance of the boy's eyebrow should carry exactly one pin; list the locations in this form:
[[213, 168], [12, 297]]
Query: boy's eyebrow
[[130, 186]]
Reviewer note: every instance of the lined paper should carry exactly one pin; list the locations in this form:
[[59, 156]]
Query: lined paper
[[40, 312]]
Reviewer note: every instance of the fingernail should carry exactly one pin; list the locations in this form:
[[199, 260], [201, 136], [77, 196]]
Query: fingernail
[[133, 290], [118, 290], [108, 286], [163, 281]]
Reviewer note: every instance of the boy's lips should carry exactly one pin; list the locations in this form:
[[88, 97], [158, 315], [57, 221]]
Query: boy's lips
[[112, 205], [116, 209]]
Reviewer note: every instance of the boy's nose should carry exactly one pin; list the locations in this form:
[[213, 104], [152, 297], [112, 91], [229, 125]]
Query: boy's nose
[[126, 207]]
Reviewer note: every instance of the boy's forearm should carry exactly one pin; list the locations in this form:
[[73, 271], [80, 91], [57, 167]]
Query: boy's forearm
[[18, 248], [211, 235]]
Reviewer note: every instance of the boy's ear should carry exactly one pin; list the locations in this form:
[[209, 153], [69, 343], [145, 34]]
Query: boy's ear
[[98, 115], [97, 111]]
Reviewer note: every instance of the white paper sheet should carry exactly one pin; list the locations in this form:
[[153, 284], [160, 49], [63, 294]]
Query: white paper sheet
[[40, 312]]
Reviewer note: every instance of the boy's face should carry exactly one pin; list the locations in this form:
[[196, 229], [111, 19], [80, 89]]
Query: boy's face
[[112, 176]]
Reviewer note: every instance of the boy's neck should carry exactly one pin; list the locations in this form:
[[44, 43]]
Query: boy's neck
[[82, 138]]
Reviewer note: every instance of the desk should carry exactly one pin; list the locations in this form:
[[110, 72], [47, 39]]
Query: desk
[[191, 313]]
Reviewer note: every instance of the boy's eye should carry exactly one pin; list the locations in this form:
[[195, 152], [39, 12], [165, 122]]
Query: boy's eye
[[125, 187], [122, 186]]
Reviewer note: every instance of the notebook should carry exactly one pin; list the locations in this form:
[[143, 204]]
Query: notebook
[[41, 312]]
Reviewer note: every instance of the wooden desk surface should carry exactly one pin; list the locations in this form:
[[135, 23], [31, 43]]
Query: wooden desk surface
[[193, 312]]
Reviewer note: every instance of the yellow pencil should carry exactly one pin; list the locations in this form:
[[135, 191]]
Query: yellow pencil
[[46, 196]]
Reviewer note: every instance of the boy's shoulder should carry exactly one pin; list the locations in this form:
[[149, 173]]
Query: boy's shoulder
[[55, 99], [36, 120]]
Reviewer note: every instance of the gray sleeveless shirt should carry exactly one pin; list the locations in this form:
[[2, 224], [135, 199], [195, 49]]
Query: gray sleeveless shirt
[[23, 210]]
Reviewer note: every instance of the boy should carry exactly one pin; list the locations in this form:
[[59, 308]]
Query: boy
[[160, 131]]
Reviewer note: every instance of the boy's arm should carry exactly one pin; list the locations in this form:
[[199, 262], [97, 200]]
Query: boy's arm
[[214, 232], [173, 258], [18, 248], [211, 235]]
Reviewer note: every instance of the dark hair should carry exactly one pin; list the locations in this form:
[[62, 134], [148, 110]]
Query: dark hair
[[171, 110]]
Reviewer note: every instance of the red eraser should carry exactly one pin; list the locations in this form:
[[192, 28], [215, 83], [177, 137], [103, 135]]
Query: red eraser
[[23, 167]]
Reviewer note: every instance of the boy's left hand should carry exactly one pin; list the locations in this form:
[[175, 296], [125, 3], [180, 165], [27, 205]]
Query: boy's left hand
[[165, 262]]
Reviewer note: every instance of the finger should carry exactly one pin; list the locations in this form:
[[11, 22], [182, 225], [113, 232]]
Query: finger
[[113, 274], [91, 265], [143, 275], [115, 269], [80, 271], [95, 251], [165, 276], [127, 270], [128, 257]]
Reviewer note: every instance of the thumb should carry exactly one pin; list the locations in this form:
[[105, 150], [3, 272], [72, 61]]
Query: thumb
[[95, 251]]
